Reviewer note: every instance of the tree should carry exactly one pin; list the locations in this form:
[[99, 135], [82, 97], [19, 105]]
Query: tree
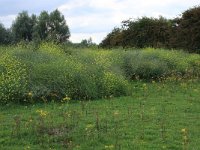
[[147, 32], [51, 27], [5, 35], [87, 43], [43, 25], [22, 27], [113, 39], [57, 28], [189, 30], [144, 32]]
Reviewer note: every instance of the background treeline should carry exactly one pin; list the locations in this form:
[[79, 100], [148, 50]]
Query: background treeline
[[178, 33], [47, 27]]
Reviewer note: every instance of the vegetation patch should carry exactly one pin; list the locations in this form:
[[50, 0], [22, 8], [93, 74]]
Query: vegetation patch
[[54, 72], [158, 115]]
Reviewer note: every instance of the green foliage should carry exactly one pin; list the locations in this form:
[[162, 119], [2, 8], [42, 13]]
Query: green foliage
[[87, 43], [179, 33], [154, 64], [58, 30], [114, 39], [188, 27], [53, 74], [51, 27], [13, 79], [22, 27], [55, 71], [140, 33], [5, 35], [43, 21]]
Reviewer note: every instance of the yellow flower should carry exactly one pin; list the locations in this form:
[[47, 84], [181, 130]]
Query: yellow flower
[[144, 85], [89, 126], [195, 90], [185, 137], [42, 113], [30, 94], [28, 147], [66, 99], [116, 113], [183, 130], [109, 146]]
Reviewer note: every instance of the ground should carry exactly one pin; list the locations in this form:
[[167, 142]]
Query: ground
[[162, 115]]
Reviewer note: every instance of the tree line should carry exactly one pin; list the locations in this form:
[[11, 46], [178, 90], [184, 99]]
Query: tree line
[[179, 33], [47, 26]]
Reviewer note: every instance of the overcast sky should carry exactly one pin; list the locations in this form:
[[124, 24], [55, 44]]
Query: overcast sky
[[95, 18]]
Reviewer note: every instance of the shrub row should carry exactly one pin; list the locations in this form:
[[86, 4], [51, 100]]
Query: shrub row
[[151, 64], [50, 73]]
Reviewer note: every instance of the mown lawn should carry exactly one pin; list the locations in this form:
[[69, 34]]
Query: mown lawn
[[156, 116]]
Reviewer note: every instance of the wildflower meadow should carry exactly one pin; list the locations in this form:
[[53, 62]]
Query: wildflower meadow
[[62, 97]]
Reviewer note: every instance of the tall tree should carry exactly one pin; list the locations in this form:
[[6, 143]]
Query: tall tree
[[147, 32], [43, 25], [22, 27], [57, 28], [5, 35], [189, 30], [113, 39]]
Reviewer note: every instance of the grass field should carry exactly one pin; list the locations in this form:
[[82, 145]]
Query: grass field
[[155, 116], [61, 97]]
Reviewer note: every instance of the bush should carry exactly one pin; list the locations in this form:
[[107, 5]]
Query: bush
[[54, 74], [13, 80], [153, 64], [50, 73], [76, 79]]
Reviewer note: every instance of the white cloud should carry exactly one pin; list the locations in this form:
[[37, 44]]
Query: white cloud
[[96, 37], [7, 20], [110, 13], [96, 18], [72, 4]]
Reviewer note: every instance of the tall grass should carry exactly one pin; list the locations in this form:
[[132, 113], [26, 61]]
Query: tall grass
[[53, 72], [159, 63]]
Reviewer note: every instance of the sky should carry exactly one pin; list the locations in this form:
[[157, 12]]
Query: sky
[[95, 18]]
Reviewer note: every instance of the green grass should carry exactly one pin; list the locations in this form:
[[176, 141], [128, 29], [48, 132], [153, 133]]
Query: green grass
[[59, 97], [152, 118]]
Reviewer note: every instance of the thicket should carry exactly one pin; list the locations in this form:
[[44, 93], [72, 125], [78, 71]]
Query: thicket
[[179, 33], [50, 73], [56, 72]]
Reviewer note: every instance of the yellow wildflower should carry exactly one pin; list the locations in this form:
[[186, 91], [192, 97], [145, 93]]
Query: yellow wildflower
[[185, 137], [89, 126], [116, 113], [66, 99], [42, 113], [30, 94], [183, 130], [109, 146]]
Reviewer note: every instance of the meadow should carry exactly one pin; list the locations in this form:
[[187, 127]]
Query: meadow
[[60, 97]]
